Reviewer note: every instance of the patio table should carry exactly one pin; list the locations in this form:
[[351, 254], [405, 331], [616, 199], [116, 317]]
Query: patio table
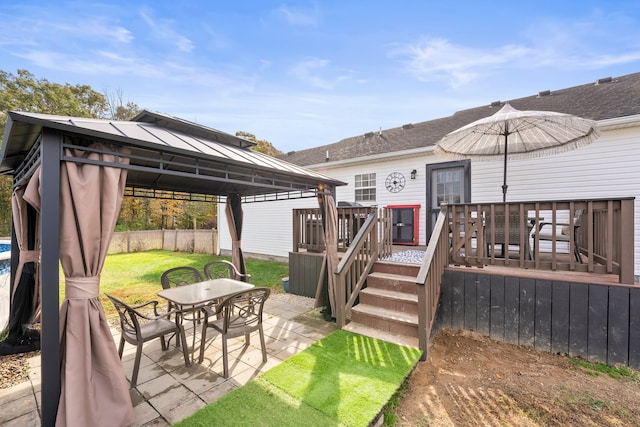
[[191, 298]]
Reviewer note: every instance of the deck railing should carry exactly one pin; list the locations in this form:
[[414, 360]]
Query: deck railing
[[429, 280], [308, 233], [364, 235], [594, 236], [354, 267]]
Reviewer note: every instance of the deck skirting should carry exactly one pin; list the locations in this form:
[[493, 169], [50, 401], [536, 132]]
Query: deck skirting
[[598, 322]]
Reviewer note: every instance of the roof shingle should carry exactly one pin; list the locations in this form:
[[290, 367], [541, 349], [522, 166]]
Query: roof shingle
[[598, 100]]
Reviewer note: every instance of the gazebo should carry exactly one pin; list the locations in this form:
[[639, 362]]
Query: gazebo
[[73, 173]]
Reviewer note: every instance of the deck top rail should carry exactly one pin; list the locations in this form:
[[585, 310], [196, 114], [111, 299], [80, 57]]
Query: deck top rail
[[593, 236], [353, 269], [429, 280], [308, 232]]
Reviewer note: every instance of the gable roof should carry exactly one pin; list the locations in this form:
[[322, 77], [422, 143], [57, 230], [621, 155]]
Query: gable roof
[[603, 99], [167, 154]]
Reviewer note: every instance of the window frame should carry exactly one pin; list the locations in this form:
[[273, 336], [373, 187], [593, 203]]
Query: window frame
[[365, 187]]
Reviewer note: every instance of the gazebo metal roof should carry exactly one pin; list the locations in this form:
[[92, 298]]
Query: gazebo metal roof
[[163, 155], [168, 154]]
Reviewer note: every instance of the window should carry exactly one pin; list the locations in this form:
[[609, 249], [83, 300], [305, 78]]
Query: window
[[365, 187], [447, 186], [448, 182]]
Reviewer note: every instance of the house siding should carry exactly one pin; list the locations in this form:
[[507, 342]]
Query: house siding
[[607, 168], [267, 227]]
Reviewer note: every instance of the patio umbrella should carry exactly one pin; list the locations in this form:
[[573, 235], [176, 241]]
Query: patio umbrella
[[518, 134]]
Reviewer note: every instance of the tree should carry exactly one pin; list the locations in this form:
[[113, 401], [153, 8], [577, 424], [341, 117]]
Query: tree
[[264, 147], [117, 108], [24, 92]]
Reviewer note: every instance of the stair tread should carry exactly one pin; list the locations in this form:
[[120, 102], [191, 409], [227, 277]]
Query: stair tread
[[386, 313], [397, 295], [368, 331], [393, 276]]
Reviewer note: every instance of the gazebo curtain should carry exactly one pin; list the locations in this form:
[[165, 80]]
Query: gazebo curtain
[[233, 212], [329, 223], [94, 389], [25, 295]]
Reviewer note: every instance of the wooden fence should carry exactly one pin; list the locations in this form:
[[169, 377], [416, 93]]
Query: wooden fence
[[197, 241]]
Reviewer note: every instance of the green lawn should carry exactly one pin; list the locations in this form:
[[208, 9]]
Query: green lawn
[[135, 277], [344, 379]]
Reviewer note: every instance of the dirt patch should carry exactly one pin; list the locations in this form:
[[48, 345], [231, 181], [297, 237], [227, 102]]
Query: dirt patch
[[14, 368], [471, 380]]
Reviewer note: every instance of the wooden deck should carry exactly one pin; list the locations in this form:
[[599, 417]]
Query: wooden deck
[[566, 276]]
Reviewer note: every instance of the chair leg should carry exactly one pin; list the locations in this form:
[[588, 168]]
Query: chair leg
[[576, 252], [203, 338], [121, 346], [185, 350], [225, 358], [136, 365], [163, 343], [264, 347]]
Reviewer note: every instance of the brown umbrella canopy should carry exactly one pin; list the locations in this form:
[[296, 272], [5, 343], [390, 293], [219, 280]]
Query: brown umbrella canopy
[[518, 134]]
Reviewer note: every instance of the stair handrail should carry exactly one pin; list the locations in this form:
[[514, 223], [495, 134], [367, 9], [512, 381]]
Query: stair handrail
[[353, 269], [429, 279]]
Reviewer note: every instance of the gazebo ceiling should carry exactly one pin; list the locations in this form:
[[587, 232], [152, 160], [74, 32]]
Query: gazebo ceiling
[[166, 154]]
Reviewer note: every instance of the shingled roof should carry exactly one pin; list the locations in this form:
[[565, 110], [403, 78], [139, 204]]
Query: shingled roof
[[605, 98]]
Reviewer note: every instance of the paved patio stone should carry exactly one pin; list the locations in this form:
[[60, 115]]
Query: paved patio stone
[[167, 390]]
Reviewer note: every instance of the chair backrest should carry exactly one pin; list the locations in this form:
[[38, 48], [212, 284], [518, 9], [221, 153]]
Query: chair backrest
[[577, 222], [499, 226], [128, 318], [179, 276], [242, 311], [219, 269]]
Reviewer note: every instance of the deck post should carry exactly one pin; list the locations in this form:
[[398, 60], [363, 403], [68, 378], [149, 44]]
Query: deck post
[[626, 242], [340, 300]]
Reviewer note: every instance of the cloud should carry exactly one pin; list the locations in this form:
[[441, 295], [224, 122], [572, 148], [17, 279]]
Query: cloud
[[596, 41], [86, 27], [163, 30], [298, 16], [173, 75], [437, 59], [311, 71]]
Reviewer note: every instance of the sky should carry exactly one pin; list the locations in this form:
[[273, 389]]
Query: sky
[[302, 74]]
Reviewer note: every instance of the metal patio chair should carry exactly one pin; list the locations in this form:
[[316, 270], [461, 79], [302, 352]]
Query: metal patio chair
[[563, 232], [499, 234], [220, 268], [138, 328], [179, 276], [238, 314]]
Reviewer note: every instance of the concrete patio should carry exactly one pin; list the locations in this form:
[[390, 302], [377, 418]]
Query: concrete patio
[[167, 391]]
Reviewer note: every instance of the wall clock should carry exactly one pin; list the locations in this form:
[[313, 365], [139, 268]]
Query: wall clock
[[395, 182]]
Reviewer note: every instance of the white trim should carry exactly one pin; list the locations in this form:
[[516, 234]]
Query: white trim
[[372, 158]]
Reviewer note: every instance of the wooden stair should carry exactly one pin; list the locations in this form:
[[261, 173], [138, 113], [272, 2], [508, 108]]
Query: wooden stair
[[388, 306]]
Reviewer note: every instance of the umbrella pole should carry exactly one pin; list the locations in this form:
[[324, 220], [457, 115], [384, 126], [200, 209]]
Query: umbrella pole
[[504, 183]]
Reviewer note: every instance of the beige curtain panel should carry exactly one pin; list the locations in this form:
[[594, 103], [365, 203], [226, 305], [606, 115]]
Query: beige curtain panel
[[94, 389]]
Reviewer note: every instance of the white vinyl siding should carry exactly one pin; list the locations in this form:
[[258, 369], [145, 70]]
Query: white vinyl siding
[[607, 168]]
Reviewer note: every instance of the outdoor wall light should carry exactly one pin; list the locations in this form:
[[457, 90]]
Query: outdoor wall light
[[413, 174]]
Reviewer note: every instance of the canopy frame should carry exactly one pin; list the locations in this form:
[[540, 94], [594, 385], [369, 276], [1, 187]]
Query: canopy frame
[[169, 157]]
